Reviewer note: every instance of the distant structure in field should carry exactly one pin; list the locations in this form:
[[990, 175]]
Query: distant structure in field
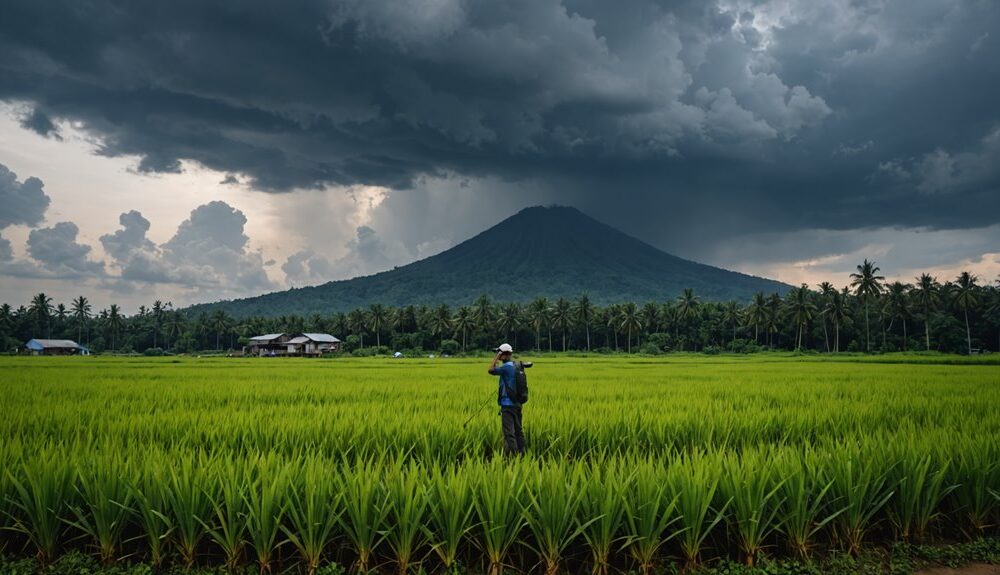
[[55, 347], [304, 344]]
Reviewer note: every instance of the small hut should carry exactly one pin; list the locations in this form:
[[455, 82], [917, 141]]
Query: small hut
[[268, 344], [55, 347]]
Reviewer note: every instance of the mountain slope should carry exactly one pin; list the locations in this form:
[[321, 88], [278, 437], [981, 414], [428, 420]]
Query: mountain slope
[[540, 251]]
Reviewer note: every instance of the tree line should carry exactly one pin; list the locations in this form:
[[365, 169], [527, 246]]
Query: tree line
[[868, 315]]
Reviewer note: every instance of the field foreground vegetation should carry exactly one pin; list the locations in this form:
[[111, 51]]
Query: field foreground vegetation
[[634, 463]]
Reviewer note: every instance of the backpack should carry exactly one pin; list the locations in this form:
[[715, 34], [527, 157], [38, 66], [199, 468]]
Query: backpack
[[520, 395]]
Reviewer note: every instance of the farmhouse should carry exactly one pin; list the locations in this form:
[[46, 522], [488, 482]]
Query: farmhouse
[[313, 344], [274, 344], [55, 347]]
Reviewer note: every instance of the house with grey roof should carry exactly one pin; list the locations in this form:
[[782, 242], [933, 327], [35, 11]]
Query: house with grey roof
[[306, 344], [55, 347]]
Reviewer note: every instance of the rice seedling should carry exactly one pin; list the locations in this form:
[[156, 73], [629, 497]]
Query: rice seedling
[[101, 511], [550, 511], [806, 509], [189, 495], [450, 512], [314, 508], [42, 494], [920, 488], [265, 500], [228, 529], [751, 485], [407, 502], [695, 480], [148, 494], [861, 487], [366, 509], [498, 493], [650, 508], [975, 472], [604, 505]]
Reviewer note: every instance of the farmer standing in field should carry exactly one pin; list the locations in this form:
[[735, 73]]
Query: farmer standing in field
[[510, 410]]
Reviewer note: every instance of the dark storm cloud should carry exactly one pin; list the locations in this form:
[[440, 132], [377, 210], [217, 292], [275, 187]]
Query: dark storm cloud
[[688, 121], [21, 202]]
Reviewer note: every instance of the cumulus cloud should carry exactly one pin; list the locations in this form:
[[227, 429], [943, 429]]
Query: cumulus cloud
[[54, 254], [6, 253], [367, 253], [21, 202]]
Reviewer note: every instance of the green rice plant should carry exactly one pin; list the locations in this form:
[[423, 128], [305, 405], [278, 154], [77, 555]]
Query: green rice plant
[[861, 488], [265, 500], [550, 511], [42, 494], [695, 480], [407, 502], [753, 488], [498, 492], [314, 508], [365, 509], [148, 493], [228, 529], [103, 503], [975, 472], [805, 508], [920, 488], [649, 508], [604, 505], [450, 513], [189, 495]]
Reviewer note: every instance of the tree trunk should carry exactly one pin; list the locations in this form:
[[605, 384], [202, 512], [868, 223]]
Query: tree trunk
[[616, 340], [629, 342], [756, 336], [836, 342], [868, 331], [588, 337], [826, 337], [968, 334], [550, 339], [904, 334], [927, 330]]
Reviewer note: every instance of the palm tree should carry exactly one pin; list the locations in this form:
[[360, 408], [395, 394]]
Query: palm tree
[[584, 314], [81, 313], [993, 311], [41, 309], [687, 306], [115, 322], [731, 314], [629, 321], [378, 316], [562, 318], [338, 323], [801, 310], [538, 315], [927, 293], [611, 314], [899, 305], [220, 322], [509, 320], [867, 284], [825, 290], [440, 321], [356, 322], [773, 315], [158, 311], [175, 325], [463, 320], [757, 314], [484, 313], [964, 295], [650, 318], [836, 308]]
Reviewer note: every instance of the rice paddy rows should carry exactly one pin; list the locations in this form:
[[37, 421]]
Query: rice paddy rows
[[633, 462]]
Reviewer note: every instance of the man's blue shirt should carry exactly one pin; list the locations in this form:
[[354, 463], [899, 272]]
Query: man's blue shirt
[[508, 376]]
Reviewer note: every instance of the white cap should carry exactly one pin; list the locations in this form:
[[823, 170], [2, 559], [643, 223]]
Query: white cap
[[504, 348]]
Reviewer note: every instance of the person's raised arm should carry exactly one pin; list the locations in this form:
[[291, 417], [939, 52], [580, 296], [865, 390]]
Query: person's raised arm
[[493, 366]]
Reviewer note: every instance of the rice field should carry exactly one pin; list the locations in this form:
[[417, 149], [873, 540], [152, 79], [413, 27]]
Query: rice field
[[634, 463]]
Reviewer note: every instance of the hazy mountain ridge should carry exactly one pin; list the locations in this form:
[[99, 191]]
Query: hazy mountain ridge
[[540, 251]]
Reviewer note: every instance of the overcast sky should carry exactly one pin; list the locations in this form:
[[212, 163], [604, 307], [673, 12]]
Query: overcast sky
[[190, 151]]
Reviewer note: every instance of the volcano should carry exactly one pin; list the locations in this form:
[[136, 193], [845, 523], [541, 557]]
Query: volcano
[[549, 252]]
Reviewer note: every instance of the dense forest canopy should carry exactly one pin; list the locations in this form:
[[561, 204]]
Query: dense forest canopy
[[868, 314]]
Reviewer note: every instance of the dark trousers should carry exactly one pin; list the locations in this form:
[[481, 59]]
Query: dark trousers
[[513, 435]]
